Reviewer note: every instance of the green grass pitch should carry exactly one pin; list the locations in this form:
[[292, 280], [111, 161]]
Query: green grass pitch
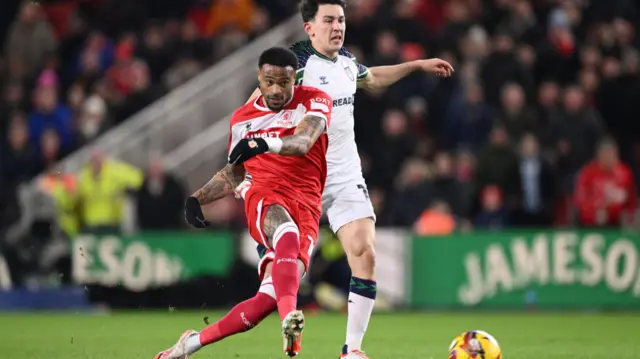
[[140, 335]]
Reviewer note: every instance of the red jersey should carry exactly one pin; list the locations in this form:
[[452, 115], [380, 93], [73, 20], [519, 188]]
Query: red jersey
[[300, 178], [599, 189]]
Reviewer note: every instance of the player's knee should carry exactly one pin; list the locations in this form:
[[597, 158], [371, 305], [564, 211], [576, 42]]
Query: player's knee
[[266, 286], [278, 223], [267, 272], [364, 250], [301, 268], [359, 241], [288, 229]]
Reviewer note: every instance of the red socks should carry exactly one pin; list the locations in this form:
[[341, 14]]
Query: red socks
[[286, 279], [240, 318]]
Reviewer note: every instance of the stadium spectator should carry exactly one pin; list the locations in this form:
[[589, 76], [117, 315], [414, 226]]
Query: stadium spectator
[[531, 186], [118, 72], [493, 214], [579, 126], [191, 45], [92, 120], [12, 100], [30, 40], [51, 150], [502, 67], [469, 120], [606, 193], [50, 112], [159, 200], [495, 161], [566, 73], [63, 188], [411, 195], [19, 158], [230, 15], [141, 92], [103, 187], [445, 187], [396, 144], [514, 115], [75, 97], [435, 220], [155, 51]]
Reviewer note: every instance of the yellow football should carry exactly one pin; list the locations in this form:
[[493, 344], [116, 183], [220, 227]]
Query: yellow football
[[475, 344]]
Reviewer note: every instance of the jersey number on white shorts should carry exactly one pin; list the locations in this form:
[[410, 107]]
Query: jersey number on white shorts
[[364, 190]]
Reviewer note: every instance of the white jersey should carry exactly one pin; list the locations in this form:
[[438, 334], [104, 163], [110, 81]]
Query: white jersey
[[338, 78]]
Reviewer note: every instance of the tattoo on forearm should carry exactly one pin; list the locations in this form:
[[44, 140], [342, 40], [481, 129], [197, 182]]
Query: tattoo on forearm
[[305, 135], [275, 216], [221, 184]]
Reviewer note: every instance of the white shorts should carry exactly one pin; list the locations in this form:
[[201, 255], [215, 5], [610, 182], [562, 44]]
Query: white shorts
[[346, 203]]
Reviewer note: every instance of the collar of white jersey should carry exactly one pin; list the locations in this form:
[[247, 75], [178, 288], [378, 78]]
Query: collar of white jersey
[[257, 105]]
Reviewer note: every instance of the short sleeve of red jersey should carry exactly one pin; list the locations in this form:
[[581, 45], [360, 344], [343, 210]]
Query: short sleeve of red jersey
[[319, 104], [237, 126]]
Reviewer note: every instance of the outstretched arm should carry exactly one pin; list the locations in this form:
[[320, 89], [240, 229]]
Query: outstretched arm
[[221, 184], [305, 135], [384, 76]]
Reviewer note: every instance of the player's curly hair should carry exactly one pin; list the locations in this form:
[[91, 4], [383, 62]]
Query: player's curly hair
[[309, 8], [278, 56]]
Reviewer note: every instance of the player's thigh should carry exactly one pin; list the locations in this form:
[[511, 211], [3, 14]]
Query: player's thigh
[[308, 227], [350, 203], [277, 220], [266, 212], [358, 237], [309, 224]]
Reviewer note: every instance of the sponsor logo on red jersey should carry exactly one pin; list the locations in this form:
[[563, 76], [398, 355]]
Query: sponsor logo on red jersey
[[320, 103], [285, 120]]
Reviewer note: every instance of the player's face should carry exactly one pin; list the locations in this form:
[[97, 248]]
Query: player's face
[[276, 85], [327, 30]]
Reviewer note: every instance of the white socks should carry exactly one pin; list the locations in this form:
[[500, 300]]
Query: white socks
[[362, 294]]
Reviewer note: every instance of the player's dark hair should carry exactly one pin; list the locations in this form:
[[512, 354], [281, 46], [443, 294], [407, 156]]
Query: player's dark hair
[[309, 8], [278, 56]]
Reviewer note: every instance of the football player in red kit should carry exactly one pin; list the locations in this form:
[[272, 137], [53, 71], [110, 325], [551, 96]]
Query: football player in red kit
[[280, 141]]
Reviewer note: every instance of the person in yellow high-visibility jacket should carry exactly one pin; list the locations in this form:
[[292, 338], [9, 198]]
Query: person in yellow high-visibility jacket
[[64, 190], [103, 186]]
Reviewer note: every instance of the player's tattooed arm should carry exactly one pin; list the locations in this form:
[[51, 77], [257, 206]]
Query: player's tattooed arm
[[221, 184], [276, 215], [305, 135]]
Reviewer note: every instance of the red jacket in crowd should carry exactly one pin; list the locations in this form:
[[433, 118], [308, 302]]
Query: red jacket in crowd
[[604, 195]]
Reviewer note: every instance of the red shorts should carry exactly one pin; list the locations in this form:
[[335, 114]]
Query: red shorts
[[256, 203]]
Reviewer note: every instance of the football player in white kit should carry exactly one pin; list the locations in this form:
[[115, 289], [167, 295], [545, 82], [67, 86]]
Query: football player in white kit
[[325, 64]]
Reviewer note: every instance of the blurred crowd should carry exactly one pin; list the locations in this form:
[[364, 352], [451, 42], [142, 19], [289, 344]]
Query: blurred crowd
[[536, 128], [71, 70]]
